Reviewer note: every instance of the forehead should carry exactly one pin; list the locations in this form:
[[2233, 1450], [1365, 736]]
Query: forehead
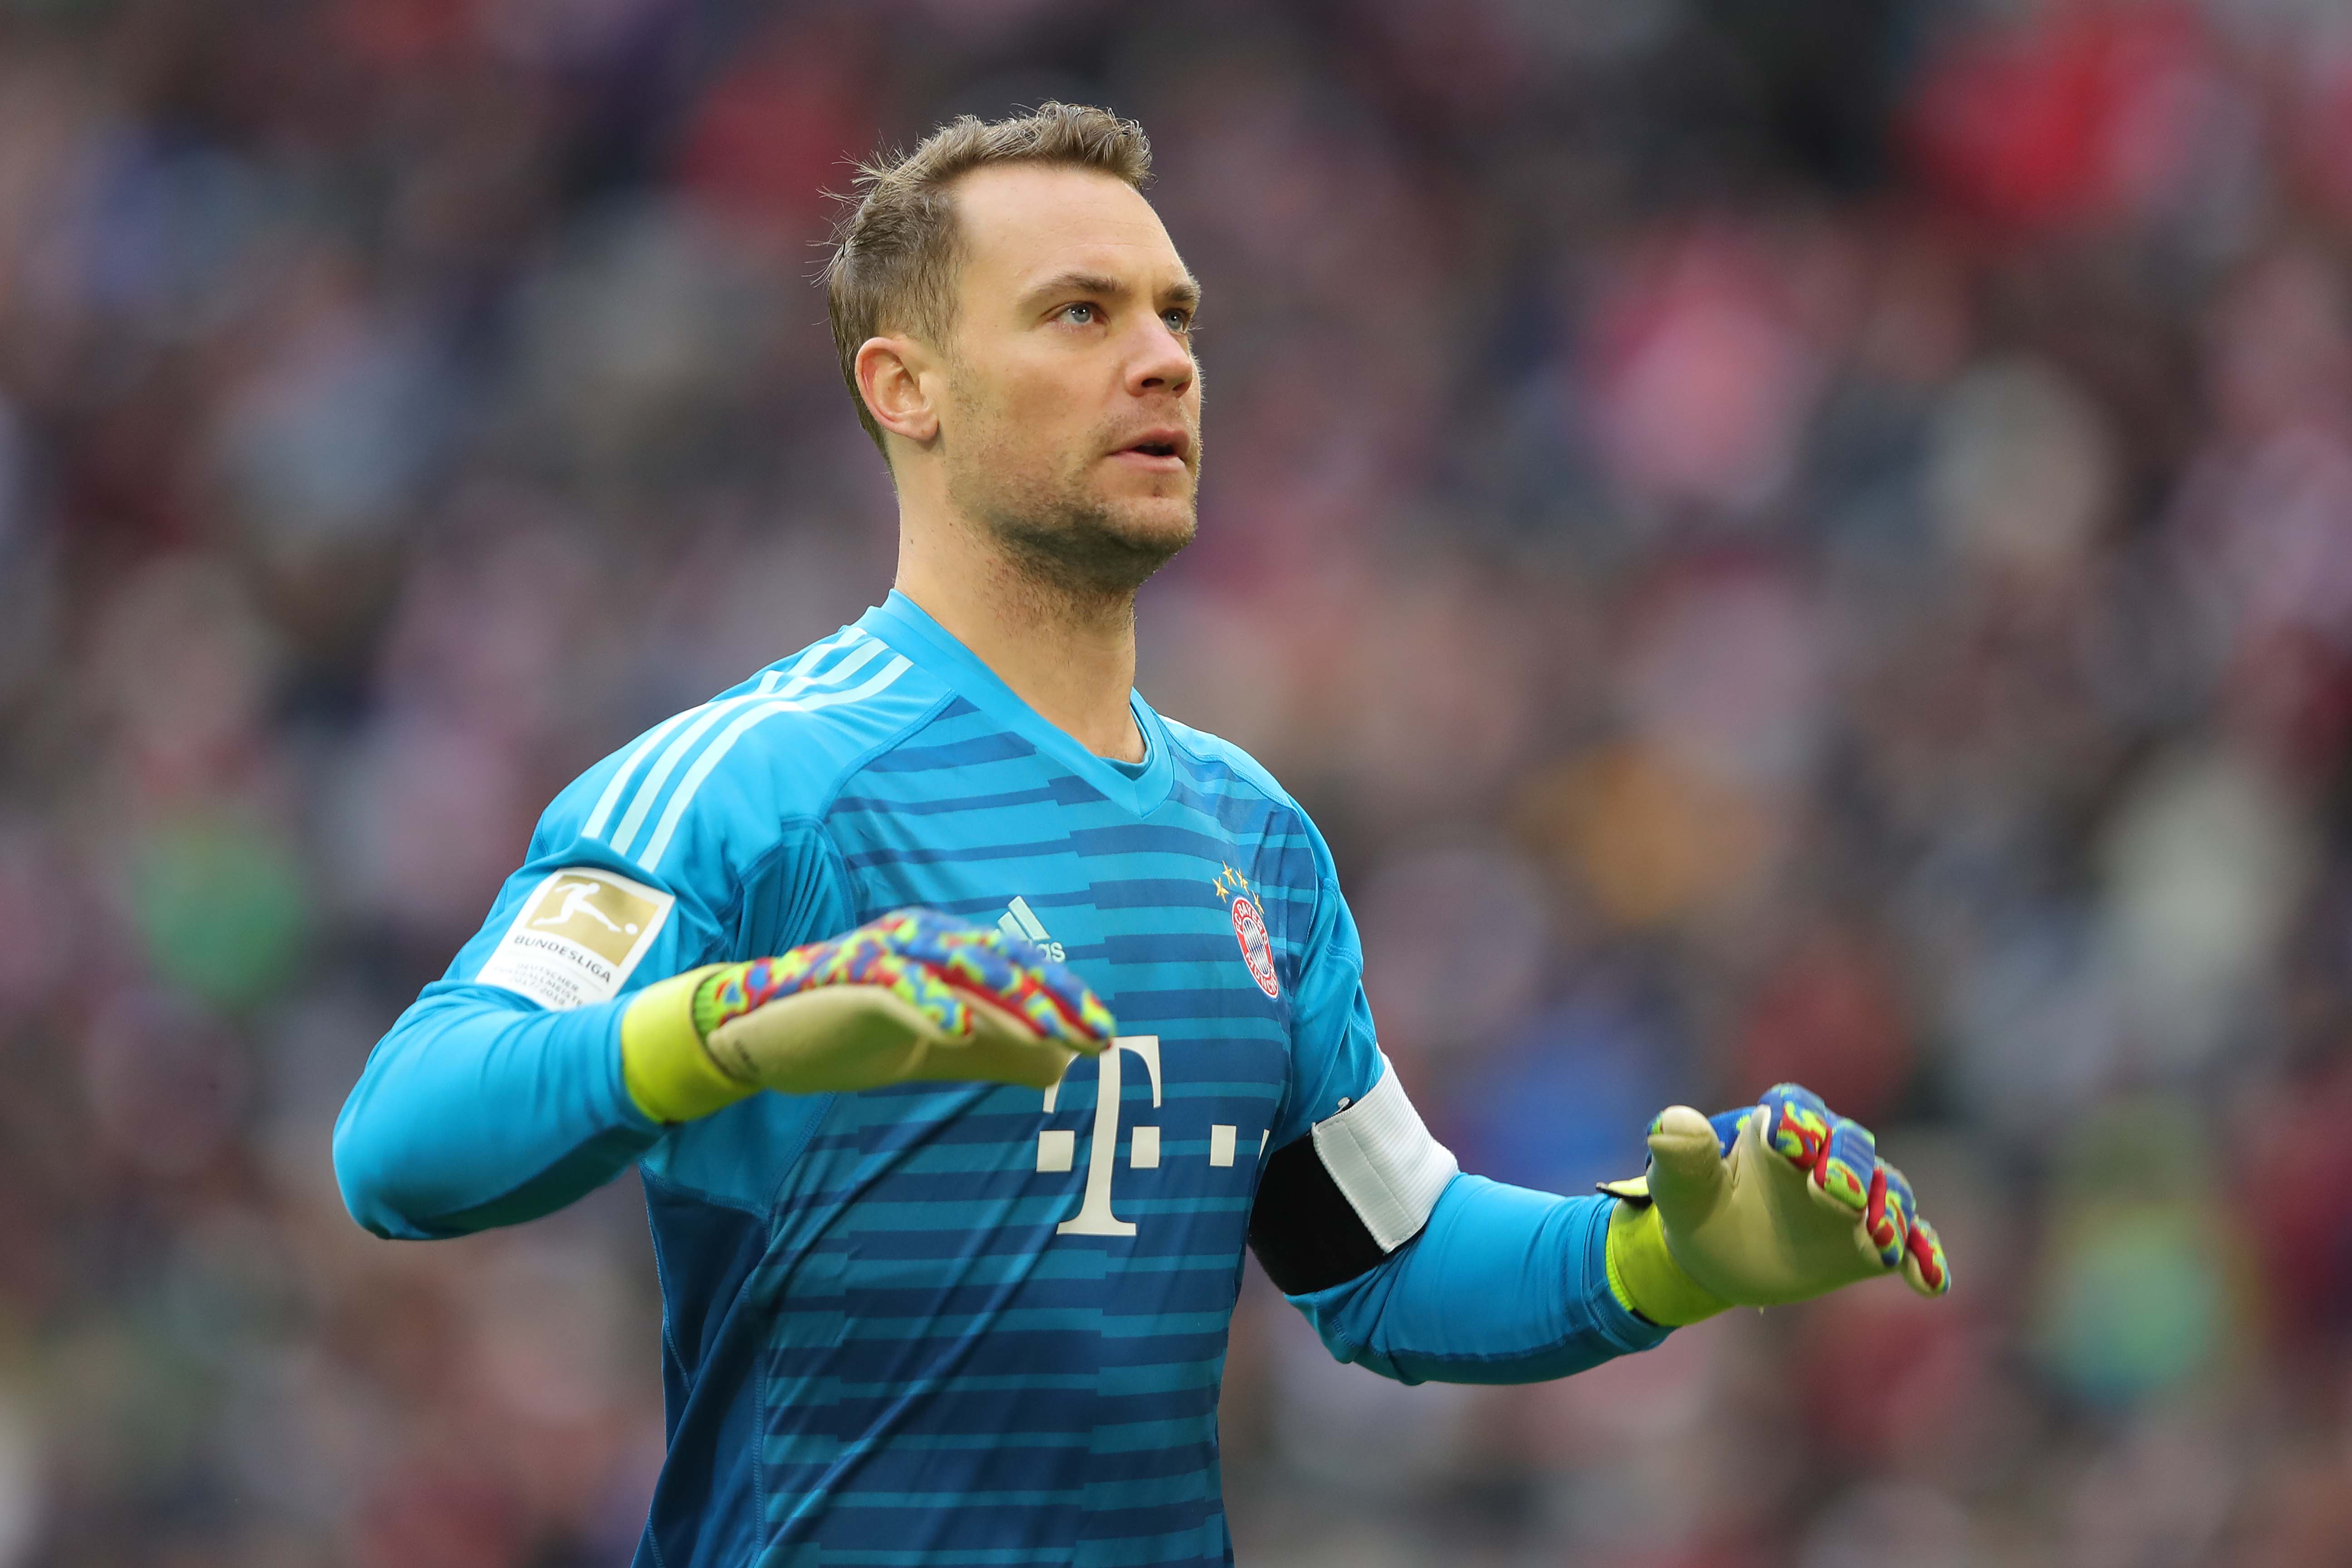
[[1023, 223]]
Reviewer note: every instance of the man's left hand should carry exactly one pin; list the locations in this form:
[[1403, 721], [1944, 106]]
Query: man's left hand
[[1776, 1203]]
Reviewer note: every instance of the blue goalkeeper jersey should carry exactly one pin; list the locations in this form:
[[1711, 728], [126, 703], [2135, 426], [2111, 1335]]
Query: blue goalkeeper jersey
[[959, 1324]]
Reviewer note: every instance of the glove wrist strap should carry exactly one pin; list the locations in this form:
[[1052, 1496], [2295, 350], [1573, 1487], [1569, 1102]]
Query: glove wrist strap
[[1645, 1277], [668, 1071]]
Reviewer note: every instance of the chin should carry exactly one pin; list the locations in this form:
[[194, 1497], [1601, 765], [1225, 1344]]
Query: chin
[[1080, 537], [1105, 546], [1165, 523]]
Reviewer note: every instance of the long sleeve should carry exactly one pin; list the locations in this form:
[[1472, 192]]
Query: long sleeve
[[1503, 1285], [480, 1109], [499, 1096]]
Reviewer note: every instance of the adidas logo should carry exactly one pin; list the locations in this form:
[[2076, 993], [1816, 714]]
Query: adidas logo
[[1020, 920]]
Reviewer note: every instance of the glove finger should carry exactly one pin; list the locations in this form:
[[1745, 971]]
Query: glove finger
[[885, 952], [1727, 1124], [1796, 1125], [1894, 1216], [1687, 1174], [1924, 1266], [1888, 1215], [1001, 1048], [975, 954], [982, 962], [1845, 1172], [1046, 995], [739, 988], [938, 995], [1059, 1005], [930, 991], [1011, 972]]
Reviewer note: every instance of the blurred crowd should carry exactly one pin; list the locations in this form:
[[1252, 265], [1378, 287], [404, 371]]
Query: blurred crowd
[[1779, 540]]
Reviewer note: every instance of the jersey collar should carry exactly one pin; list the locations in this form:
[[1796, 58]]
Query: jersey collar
[[907, 627]]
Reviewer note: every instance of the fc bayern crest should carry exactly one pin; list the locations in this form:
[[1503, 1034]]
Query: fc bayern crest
[[1249, 929]]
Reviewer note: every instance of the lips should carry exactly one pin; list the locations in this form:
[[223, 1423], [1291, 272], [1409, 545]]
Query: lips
[[1163, 443]]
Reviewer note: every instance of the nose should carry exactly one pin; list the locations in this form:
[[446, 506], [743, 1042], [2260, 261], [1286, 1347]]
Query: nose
[[1162, 362]]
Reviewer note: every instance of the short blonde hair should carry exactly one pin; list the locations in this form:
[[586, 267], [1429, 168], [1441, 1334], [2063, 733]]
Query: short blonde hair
[[895, 253]]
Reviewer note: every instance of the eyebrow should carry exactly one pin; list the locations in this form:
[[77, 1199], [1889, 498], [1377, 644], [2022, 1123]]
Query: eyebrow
[[1185, 291]]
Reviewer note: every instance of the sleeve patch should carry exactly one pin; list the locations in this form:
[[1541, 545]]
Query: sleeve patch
[[577, 937]]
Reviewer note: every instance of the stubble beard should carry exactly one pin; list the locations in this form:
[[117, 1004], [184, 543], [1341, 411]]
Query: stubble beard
[[1059, 536]]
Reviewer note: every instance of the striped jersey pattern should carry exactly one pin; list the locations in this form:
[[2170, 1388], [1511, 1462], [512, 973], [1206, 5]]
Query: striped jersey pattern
[[966, 1324]]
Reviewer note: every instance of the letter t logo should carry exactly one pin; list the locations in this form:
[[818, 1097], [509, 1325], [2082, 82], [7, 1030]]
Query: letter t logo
[[1094, 1216]]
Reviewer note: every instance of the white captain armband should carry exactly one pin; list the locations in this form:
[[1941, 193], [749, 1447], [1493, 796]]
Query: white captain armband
[[1335, 1203]]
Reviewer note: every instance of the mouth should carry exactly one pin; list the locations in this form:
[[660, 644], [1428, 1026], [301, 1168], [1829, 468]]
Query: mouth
[[1167, 448]]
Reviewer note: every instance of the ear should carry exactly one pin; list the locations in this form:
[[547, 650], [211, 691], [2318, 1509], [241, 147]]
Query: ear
[[889, 378]]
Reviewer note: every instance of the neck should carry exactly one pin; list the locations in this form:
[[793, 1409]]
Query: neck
[[1067, 652]]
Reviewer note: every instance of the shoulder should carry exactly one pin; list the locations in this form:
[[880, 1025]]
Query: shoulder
[[728, 775], [1214, 762], [1242, 793], [1220, 775], [1296, 881]]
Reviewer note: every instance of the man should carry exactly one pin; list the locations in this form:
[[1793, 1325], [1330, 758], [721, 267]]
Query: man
[[946, 1255]]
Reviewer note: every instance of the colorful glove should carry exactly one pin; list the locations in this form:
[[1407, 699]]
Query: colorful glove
[[1775, 1203], [913, 995]]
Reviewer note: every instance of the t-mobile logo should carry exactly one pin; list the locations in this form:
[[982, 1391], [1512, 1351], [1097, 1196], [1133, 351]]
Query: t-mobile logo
[[1057, 1147]]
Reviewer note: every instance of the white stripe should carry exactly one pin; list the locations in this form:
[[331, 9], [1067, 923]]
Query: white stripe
[[650, 791], [1384, 1161], [611, 798], [717, 749], [1033, 928], [810, 657], [647, 792]]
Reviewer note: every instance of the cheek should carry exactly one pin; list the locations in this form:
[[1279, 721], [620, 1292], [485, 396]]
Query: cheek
[[1041, 400], [1015, 433], [1048, 421]]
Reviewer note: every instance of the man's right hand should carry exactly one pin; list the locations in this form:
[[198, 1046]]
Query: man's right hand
[[913, 995]]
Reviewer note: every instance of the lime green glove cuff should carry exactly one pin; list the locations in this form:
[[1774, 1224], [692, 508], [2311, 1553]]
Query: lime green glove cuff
[[668, 1071], [1643, 1275]]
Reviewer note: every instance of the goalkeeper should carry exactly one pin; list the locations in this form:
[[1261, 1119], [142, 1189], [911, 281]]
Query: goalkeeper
[[965, 1019]]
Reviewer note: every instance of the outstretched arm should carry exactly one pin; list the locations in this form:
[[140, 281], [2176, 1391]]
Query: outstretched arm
[[1503, 1285], [478, 1109], [596, 1007], [481, 1109], [1408, 1267], [1776, 1203]]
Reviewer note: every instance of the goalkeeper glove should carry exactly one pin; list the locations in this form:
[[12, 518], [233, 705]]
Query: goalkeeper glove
[[1773, 1204], [913, 995]]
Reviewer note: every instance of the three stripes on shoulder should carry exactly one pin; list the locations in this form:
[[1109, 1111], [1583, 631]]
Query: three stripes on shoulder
[[818, 679]]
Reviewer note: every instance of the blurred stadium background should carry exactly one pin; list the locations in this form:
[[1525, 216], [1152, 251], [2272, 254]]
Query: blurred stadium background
[[1805, 540]]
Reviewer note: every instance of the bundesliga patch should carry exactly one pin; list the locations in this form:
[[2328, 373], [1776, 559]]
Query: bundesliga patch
[[1249, 929], [577, 937]]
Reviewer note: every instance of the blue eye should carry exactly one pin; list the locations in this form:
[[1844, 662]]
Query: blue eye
[[1083, 315], [1179, 321]]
